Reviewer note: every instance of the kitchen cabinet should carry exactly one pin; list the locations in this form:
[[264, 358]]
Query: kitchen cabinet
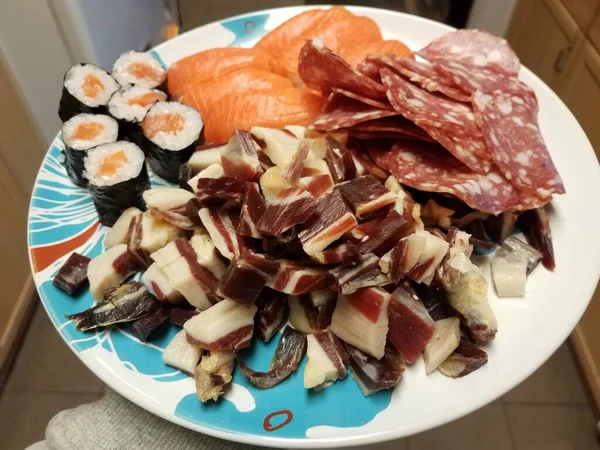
[[594, 34], [583, 11]]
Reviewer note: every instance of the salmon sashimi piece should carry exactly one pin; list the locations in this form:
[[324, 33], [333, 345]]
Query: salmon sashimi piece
[[111, 164], [92, 85], [349, 33], [203, 96], [214, 63], [268, 108], [147, 99], [167, 122], [89, 130], [354, 55], [284, 42]]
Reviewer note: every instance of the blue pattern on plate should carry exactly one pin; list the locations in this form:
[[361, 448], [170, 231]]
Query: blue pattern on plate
[[246, 29]]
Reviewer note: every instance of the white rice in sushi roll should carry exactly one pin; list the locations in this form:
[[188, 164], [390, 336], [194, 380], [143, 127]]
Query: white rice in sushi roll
[[109, 164], [90, 84], [172, 126], [85, 131], [132, 104], [139, 68]]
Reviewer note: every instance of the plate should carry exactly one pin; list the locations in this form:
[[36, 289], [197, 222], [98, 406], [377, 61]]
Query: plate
[[62, 219]]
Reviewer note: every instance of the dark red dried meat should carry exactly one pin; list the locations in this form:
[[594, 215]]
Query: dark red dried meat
[[272, 313], [73, 273], [253, 207], [366, 195], [239, 157], [386, 234], [179, 316], [537, 231], [294, 278], [293, 171], [220, 192], [144, 327], [339, 160], [245, 277], [291, 207]]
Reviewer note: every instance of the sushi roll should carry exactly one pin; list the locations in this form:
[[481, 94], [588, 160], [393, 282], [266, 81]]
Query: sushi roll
[[86, 89], [171, 133], [139, 69], [82, 132], [129, 106], [117, 177]]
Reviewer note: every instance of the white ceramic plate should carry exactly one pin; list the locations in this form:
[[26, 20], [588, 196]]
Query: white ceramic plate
[[62, 219]]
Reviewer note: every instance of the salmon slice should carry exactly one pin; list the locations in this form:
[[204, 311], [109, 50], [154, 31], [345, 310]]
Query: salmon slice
[[144, 71], [147, 99], [167, 122], [212, 64], [112, 163], [354, 55], [269, 108], [86, 131], [204, 96], [348, 33], [92, 85]]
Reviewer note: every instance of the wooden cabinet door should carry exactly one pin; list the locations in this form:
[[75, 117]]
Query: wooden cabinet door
[[580, 90], [594, 33], [583, 11], [543, 34]]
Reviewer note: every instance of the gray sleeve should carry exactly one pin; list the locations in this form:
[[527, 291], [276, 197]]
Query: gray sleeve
[[115, 423]]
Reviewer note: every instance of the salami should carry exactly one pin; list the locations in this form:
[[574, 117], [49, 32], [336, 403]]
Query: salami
[[392, 125], [511, 132], [475, 48], [425, 108], [528, 201], [424, 167], [322, 69], [423, 75], [347, 113], [363, 99]]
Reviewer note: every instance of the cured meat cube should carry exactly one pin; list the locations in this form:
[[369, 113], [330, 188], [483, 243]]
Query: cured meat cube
[[312, 312], [330, 221], [206, 156], [272, 182], [365, 228], [73, 273], [373, 278], [227, 325], [215, 170], [158, 283], [119, 233], [148, 234], [144, 327], [317, 185], [411, 327], [293, 171], [225, 192], [285, 246], [366, 166], [209, 386], [272, 314], [291, 207], [341, 275], [361, 319], [444, 341], [509, 272], [253, 207], [434, 299], [501, 227], [294, 279], [381, 238], [514, 244], [373, 375], [278, 145], [179, 316], [180, 263], [327, 359], [537, 231], [346, 251], [222, 232], [239, 158], [430, 258], [206, 253], [109, 269], [297, 130], [167, 198], [465, 359], [182, 355], [245, 277], [313, 167], [340, 161], [365, 195]]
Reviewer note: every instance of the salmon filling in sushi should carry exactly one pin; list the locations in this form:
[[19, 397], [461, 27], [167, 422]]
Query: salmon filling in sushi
[[86, 89], [82, 132], [117, 177], [140, 69], [171, 133]]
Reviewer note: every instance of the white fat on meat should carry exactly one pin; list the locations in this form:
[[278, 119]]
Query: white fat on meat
[[318, 142], [279, 145], [272, 182], [444, 341], [299, 131], [207, 254], [351, 325], [158, 283], [155, 234], [119, 234], [291, 276], [320, 371], [509, 271], [166, 198], [213, 361], [228, 244], [183, 280], [220, 327], [213, 171], [182, 355], [102, 270], [430, 257], [201, 159]]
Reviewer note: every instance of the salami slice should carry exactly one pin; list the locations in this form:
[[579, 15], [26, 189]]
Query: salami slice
[[370, 66], [346, 113], [375, 103], [528, 201], [394, 125], [425, 108], [379, 151], [424, 167], [473, 47], [423, 75], [511, 132], [322, 69]]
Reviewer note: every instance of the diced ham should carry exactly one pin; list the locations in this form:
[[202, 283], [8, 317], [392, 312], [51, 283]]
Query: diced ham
[[245, 277], [465, 359], [224, 192], [372, 374], [166, 198], [148, 234], [434, 250], [179, 316], [72, 275], [312, 312], [222, 232], [182, 355], [272, 314], [206, 253], [291, 207], [215, 170], [109, 269], [227, 325], [342, 274], [330, 221], [361, 319], [340, 162], [293, 171], [119, 234], [345, 251], [384, 236], [253, 207], [317, 185], [203, 158], [411, 327], [239, 158], [326, 360], [365, 195], [294, 279], [278, 145], [158, 283], [444, 341], [366, 166]]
